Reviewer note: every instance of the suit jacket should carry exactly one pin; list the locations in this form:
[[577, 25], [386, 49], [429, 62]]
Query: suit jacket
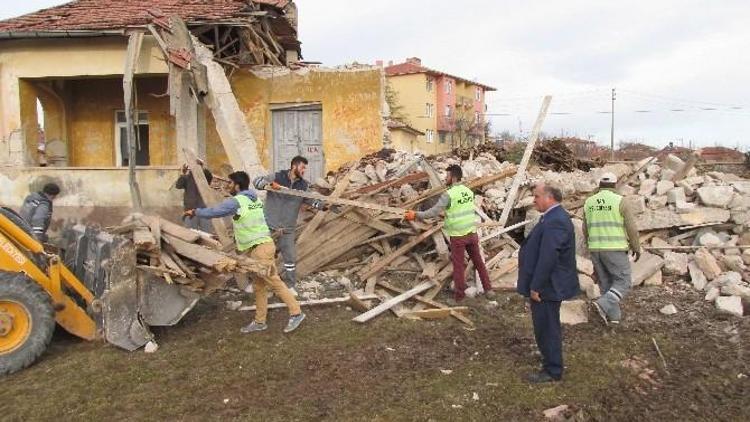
[[547, 260]]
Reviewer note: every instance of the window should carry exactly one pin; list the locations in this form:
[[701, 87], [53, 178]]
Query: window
[[448, 86], [479, 94], [429, 84], [476, 117], [429, 133], [141, 137], [428, 110], [448, 111], [442, 137]]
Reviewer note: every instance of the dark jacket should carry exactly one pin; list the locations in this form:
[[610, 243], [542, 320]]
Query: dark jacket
[[37, 211], [282, 210], [192, 198], [547, 260]]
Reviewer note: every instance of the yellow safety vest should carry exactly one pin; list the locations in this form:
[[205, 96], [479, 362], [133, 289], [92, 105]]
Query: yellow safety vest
[[604, 222], [460, 217], [249, 223]]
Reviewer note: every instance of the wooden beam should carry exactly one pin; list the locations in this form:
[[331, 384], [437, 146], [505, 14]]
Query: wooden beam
[[313, 302], [340, 188], [471, 184], [510, 198], [204, 256], [426, 301], [440, 313], [378, 265], [372, 313], [209, 197]]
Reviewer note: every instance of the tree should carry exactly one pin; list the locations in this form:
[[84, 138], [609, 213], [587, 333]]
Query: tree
[[467, 129], [395, 107]]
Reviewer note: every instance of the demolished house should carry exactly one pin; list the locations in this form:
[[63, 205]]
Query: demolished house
[[224, 79]]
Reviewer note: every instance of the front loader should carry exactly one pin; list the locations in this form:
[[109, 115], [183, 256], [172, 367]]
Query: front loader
[[97, 293]]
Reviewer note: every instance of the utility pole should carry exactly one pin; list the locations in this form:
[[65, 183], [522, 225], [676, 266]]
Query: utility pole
[[612, 129]]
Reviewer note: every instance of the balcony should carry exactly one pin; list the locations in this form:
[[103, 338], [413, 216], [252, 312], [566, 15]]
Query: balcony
[[467, 102]]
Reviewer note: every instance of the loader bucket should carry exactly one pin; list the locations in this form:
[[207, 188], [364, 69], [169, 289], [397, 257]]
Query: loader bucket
[[129, 300]]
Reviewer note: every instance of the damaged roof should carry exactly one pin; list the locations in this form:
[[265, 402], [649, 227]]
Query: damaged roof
[[83, 15], [410, 68]]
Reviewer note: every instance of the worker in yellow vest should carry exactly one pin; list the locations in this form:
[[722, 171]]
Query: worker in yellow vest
[[610, 231], [253, 238], [461, 226]]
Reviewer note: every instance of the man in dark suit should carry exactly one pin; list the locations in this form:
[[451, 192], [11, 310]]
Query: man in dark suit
[[547, 275]]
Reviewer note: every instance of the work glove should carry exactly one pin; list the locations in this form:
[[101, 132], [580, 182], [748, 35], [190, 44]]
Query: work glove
[[274, 186], [636, 256], [410, 215], [259, 183]]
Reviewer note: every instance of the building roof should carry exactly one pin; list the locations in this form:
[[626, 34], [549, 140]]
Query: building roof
[[410, 67], [84, 15], [394, 124]]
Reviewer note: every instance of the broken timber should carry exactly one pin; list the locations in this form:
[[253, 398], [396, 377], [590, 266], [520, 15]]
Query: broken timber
[[131, 65], [209, 197], [372, 313]]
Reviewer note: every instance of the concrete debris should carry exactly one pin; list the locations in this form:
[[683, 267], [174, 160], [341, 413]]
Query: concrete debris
[[584, 265], [675, 263], [707, 263], [712, 293], [645, 267], [668, 309], [716, 196], [731, 305], [151, 347], [697, 278], [655, 280]]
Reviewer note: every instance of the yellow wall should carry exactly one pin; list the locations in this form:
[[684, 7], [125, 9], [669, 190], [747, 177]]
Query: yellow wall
[[351, 103], [92, 107], [412, 95], [403, 140]]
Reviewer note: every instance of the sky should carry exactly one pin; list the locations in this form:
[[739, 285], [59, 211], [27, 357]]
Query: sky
[[680, 68]]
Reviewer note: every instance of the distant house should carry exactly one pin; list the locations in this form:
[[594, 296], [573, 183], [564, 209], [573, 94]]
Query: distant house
[[448, 109], [721, 154]]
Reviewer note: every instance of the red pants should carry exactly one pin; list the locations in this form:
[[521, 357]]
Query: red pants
[[470, 244]]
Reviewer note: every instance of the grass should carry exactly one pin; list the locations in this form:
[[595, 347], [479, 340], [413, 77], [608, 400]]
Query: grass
[[388, 369]]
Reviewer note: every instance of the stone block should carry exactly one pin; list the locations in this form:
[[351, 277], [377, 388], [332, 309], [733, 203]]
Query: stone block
[[574, 312], [653, 171], [654, 280], [675, 263], [737, 289], [668, 309], [697, 278], [673, 162], [731, 305], [584, 265], [657, 202], [712, 294], [709, 239], [686, 187], [667, 174], [676, 195], [636, 203], [645, 267], [707, 263], [647, 188], [733, 263], [716, 196], [664, 186], [703, 215]]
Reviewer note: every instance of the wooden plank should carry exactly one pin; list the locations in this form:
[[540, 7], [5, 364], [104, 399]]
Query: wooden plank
[[201, 255], [156, 232], [382, 263], [372, 313], [340, 188], [692, 248], [360, 217], [398, 309], [510, 198], [313, 302], [504, 230], [170, 263], [339, 201], [370, 190], [168, 227], [210, 197], [440, 244], [425, 301], [135, 41], [439, 313], [143, 239]]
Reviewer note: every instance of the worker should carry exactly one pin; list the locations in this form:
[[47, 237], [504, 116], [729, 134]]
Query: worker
[[610, 231], [547, 276], [282, 211], [253, 238], [37, 210], [192, 199], [461, 226]]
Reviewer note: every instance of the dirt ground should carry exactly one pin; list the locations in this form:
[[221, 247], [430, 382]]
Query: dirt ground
[[392, 369]]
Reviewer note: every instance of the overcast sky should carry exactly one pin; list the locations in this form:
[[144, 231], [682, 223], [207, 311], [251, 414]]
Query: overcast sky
[[660, 55]]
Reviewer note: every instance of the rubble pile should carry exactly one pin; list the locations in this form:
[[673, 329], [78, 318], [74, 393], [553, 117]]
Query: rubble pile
[[191, 258], [693, 227]]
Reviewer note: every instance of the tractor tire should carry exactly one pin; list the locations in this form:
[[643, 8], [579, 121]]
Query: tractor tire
[[27, 321]]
